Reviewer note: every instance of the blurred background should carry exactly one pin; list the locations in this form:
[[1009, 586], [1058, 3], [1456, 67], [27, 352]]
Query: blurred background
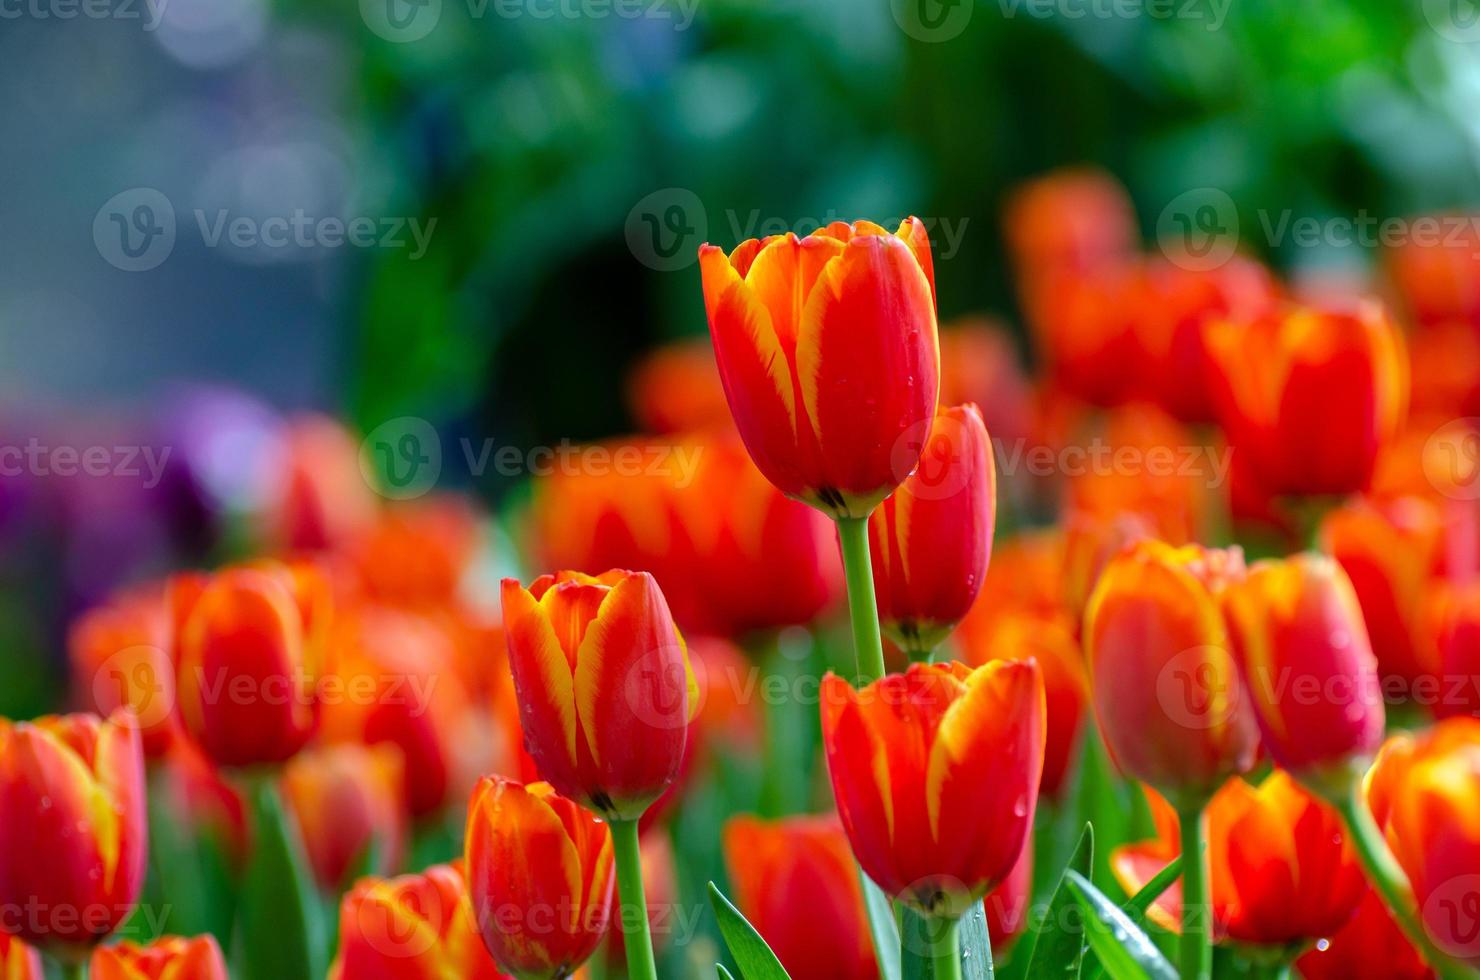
[[477, 215]]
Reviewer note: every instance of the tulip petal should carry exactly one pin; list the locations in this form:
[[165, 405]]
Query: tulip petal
[[540, 665]]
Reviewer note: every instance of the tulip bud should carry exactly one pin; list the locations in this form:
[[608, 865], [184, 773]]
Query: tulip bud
[[932, 539], [605, 689], [540, 876], [73, 838], [828, 353], [936, 774], [1164, 683], [167, 958], [250, 652], [1309, 395], [347, 802], [409, 928], [796, 882], [1308, 669]]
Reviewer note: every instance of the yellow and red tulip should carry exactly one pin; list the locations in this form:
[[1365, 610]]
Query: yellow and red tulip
[[250, 653], [1284, 871], [415, 927], [347, 801], [796, 882], [605, 689], [1310, 395], [931, 541], [166, 958], [1164, 681], [120, 655], [19, 961], [936, 773], [74, 838], [1308, 668], [828, 352], [540, 877]]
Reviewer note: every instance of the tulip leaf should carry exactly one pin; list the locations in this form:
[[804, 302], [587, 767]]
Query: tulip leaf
[[752, 955], [1123, 949], [1137, 905], [1058, 947], [976, 942], [723, 973], [277, 919], [882, 928]]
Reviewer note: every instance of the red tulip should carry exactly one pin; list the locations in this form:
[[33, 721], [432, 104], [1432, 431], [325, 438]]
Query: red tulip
[[828, 352], [418, 551], [936, 774], [347, 800], [932, 539], [676, 388], [1438, 275], [120, 653], [1309, 395], [1165, 684], [415, 927], [73, 838], [796, 882], [322, 498], [1454, 616], [1007, 906], [540, 876], [1308, 668], [167, 958], [1369, 947], [605, 689], [1069, 220]]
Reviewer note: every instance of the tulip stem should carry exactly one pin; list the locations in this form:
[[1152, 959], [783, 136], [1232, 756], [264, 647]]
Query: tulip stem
[[863, 608], [1392, 884], [1195, 955], [946, 955], [73, 970], [636, 933]]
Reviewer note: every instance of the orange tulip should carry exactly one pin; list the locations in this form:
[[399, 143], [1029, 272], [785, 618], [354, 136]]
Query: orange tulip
[[1389, 553], [936, 774], [1439, 276], [1308, 668], [417, 552], [120, 654], [676, 388], [932, 539], [322, 498], [1069, 220], [1165, 684], [1309, 395], [796, 882], [1445, 360], [1425, 792], [73, 838], [19, 961], [166, 958], [415, 927], [540, 876], [250, 652], [828, 352], [1369, 947], [1454, 617], [980, 363], [605, 689], [1283, 872], [347, 801]]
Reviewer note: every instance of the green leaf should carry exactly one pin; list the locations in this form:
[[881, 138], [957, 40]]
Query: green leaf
[[1136, 906], [1058, 950], [752, 955], [976, 943], [277, 925], [882, 928], [1122, 948], [723, 973]]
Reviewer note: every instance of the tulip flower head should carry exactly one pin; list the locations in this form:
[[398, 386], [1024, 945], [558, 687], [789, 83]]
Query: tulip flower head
[[19, 961], [605, 689], [415, 927], [931, 540], [73, 838], [1164, 681], [936, 775], [828, 352], [1308, 669], [540, 876], [167, 958], [347, 801]]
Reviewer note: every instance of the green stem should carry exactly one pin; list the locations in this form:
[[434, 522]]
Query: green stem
[[1392, 884], [945, 955], [635, 930], [73, 970], [863, 608], [1195, 953]]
